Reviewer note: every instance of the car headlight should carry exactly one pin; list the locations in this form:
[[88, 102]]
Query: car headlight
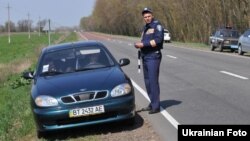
[[226, 42], [121, 90], [46, 101]]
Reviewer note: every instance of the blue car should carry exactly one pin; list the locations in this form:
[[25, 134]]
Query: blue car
[[79, 84]]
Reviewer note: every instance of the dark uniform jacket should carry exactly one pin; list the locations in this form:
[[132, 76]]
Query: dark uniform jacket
[[152, 37]]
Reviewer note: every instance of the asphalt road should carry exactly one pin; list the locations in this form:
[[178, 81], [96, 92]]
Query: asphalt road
[[197, 86]]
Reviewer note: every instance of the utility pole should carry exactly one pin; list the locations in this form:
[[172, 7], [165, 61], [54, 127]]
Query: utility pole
[[29, 24], [49, 31], [39, 24], [9, 22]]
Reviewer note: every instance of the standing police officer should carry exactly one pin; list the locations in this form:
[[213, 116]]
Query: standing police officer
[[150, 47]]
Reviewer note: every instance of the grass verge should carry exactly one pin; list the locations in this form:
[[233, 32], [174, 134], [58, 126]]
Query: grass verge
[[16, 117]]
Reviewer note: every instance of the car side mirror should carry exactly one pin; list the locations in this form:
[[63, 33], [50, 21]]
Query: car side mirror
[[28, 75], [124, 62]]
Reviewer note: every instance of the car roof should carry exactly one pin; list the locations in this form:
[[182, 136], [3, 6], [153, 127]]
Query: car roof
[[69, 45]]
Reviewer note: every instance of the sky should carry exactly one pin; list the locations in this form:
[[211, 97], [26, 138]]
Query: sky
[[60, 12]]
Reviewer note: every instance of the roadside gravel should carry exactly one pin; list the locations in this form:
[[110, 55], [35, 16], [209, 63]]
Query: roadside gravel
[[141, 131]]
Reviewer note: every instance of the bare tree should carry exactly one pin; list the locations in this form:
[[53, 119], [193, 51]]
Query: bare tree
[[23, 25], [12, 26], [187, 20]]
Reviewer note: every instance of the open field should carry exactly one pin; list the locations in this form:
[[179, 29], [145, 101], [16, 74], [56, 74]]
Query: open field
[[21, 54]]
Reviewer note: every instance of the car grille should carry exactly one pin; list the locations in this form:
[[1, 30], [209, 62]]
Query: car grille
[[234, 42], [84, 97]]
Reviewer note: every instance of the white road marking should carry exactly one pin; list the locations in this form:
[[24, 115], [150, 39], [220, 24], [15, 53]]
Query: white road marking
[[163, 111], [235, 75], [170, 56]]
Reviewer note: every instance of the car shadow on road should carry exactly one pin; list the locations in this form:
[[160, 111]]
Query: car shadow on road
[[168, 103], [99, 129]]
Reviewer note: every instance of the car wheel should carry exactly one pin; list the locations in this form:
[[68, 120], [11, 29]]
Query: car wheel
[[212, 47], [240, 52], [220, 48]]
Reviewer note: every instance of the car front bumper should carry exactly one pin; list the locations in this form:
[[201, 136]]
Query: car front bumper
[[120, 108], [230, 46], [167, 38]]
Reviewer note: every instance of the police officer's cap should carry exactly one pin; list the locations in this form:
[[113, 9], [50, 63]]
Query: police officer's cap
[[146, 10]]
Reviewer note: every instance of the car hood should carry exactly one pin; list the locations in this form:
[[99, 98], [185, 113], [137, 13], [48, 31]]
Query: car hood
[[230, 38], [65, 84]]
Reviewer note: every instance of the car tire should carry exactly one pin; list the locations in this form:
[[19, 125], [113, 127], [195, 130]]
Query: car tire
[[240, 52], [232, 50], [212, 47], [220, 48]]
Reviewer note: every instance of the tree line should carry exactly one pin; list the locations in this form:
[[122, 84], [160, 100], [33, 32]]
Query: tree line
[[22, 26], [187, 20], [26, 25]]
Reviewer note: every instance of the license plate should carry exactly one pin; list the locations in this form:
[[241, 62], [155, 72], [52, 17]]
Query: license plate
[[234, 46], [86, 111]]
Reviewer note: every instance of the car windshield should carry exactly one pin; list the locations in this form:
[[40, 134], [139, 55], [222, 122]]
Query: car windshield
[[72, 60], [230, 33]]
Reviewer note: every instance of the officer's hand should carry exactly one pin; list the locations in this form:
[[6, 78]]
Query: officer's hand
[[138, 45]]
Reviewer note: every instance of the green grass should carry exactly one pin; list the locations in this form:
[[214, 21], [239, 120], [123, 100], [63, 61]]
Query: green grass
[[21, 49], [71, 37], [21, 46], [16, 117]]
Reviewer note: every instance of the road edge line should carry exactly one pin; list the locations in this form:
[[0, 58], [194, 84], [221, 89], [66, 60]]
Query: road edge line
[[163, 111]]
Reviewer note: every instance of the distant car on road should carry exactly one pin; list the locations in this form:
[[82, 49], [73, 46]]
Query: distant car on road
[[167, 37], [224, 38], [78, 84], [244, 43]]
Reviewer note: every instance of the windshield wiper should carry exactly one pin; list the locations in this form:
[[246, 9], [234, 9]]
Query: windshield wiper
[[91, 68], [50, 73], [84, 69]]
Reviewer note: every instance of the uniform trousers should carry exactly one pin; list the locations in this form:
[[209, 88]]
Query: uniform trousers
[[151, 68]]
